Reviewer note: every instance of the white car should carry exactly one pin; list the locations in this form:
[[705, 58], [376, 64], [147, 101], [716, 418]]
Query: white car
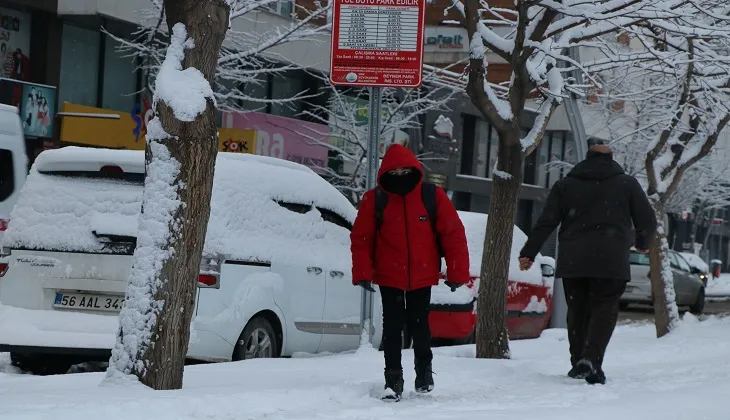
[[275, 278], [13, 164]]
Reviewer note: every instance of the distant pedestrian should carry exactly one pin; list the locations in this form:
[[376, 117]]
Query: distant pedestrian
[[599, 209], [402, 228]]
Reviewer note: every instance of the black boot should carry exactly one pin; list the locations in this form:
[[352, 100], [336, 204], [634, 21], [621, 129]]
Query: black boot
[[424, 378], [596, 377], [581, 370], [393, 385]]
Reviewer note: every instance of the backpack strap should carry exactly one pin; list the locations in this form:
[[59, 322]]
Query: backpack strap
[[381, 200], [428, 195]]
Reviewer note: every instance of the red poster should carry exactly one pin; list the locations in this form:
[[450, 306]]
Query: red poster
[[377, 43]]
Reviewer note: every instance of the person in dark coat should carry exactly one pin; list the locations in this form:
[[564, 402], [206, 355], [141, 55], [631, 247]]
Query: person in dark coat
[[602, 212], [402, 257]]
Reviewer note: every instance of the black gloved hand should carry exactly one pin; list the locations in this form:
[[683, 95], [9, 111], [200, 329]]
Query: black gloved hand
[[453, 285], [367, 285]]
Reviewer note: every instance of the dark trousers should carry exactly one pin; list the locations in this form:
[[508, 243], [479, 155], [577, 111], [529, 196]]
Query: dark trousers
[[593, 306], [409, 308]]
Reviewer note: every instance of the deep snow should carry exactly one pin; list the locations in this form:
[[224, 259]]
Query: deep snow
[[683, 376]]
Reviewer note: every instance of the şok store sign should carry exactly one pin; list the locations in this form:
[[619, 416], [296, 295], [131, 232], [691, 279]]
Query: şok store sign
[[86, 125]]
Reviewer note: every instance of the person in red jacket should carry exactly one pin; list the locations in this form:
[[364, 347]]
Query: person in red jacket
[[402, 257]]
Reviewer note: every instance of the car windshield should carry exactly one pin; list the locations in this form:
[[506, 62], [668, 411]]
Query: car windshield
[[637, 258]]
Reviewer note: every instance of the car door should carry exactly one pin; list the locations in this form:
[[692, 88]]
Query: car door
[[302, 303], [341, 319], [680, 278], [686, 284]]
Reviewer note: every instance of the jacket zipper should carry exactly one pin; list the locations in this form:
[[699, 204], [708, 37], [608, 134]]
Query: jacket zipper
[[408, 244]]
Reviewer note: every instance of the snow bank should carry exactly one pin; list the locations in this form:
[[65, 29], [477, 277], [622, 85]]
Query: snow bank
[[719, 287], [696, 261], [55, 212], [531, 385]]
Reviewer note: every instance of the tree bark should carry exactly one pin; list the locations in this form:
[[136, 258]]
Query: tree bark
[[155, 351], [666, 313], [492, 338]]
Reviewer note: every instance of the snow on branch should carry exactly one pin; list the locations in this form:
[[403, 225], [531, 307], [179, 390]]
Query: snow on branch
[[246, 56], [346, 114]]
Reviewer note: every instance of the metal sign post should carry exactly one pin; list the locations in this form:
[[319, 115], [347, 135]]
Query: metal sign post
[[376, 43], [373, 156]]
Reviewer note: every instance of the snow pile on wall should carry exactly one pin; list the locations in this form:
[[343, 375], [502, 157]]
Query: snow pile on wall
[[57, 213]]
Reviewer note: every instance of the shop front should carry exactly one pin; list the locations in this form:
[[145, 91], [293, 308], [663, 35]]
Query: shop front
[[98, 127], [284, 138]]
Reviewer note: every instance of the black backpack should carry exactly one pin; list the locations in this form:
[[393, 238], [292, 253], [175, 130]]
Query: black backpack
[[428, 195]]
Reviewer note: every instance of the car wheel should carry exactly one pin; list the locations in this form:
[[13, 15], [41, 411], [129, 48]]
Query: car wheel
[[257, 341], [40, 365], [699, 306]]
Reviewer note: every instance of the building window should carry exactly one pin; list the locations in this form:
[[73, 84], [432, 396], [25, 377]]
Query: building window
[[556, 155], [286, 86], [255, 88], [14, 44], [468, 124], [120, 79], [79, 66], [282, 7], [481, 140]]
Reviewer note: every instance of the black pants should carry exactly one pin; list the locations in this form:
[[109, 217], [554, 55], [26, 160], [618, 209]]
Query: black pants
[[409, 308], [593, 306]]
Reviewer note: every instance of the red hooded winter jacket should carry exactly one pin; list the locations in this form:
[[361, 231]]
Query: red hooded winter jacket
[[406, 255]]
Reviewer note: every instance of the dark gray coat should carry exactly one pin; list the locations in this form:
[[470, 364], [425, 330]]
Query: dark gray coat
[[602, 212]]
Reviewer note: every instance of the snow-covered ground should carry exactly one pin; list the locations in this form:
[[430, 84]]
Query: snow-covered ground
[[719, 287], [683, 376]]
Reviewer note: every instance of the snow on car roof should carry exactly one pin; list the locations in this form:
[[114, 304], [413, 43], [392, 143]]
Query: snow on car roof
[[696, 261], [475, 225], [60, 212]]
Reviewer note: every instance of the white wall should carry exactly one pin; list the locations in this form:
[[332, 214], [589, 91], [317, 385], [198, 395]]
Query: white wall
[[311, 54]]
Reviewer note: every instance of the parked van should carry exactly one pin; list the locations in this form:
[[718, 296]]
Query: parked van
[[275, 278], [13, 164]]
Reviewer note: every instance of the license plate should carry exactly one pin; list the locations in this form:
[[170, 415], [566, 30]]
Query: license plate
[[89, 302]]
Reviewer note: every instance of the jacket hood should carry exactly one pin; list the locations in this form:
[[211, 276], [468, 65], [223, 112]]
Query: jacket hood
[[596, 167], [398, 156]]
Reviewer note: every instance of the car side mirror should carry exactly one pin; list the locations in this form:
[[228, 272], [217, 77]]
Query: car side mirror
[[547, 270]]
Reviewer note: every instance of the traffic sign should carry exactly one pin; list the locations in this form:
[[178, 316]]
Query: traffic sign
[[377, 43]]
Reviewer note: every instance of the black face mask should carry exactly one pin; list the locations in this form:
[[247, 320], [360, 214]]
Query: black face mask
[[400, 184]]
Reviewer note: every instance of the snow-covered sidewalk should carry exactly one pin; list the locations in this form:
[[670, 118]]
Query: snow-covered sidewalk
[[684, 376], [719, 287]]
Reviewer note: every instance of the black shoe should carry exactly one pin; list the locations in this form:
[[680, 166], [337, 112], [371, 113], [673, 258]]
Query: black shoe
[[581, 370], [596, 377], [393, 385], [424, 378]]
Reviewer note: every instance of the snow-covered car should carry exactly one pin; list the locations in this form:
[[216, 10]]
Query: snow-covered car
[[13, 164], [688, 288], [529, 301], [697, 265], [275, 277]]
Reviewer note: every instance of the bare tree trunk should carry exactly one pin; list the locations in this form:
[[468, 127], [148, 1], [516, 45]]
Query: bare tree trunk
[[492, 338], [180, 160], [666, 313]]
